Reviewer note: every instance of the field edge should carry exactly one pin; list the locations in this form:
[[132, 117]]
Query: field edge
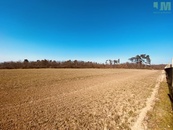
[[161, 116]]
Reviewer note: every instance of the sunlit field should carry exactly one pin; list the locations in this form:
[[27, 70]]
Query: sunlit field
[[73, 98]]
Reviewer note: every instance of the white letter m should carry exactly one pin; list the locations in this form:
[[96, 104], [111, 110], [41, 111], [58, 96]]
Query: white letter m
[[165, 6]]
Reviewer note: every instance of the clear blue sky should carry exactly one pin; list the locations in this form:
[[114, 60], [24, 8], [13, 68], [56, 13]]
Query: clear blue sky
[[93, 30]]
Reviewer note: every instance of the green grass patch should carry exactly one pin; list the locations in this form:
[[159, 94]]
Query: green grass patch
[[161, 116]]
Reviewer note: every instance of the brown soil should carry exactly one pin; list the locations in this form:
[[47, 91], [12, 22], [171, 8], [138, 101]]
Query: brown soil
[[73, 98]]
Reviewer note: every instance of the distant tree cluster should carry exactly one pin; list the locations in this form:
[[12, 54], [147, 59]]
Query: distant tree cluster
[[50, 64], [142, 61], [112, 62]]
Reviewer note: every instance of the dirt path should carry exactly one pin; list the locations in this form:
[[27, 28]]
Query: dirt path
[[139, 125]]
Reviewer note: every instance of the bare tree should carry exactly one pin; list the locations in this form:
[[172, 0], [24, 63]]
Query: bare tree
[[110, 62], [118, 61], [115, 62]]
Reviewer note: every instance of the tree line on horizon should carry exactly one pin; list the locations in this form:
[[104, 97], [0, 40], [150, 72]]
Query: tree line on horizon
[[142, 61]]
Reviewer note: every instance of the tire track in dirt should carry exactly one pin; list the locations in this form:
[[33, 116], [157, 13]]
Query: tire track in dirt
[[139, 124]]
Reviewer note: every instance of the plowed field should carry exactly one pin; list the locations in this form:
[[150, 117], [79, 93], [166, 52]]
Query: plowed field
[[74, 98]]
